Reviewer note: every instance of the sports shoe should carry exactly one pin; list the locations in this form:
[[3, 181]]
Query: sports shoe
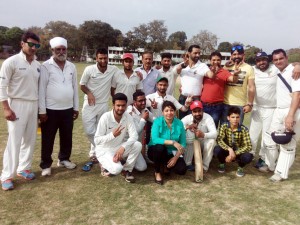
[[46, 172], [27, 175], [129, 177], [240, 172], [259, 163], [190, 168], [276, 178], [66, 163], [221, 168], [7, 185], [264, 169]]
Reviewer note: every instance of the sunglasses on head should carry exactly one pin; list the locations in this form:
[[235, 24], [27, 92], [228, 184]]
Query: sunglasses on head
[[237, 48], [30, 44]]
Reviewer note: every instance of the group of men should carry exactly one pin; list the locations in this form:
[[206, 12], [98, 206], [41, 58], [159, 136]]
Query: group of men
[[118, 138]]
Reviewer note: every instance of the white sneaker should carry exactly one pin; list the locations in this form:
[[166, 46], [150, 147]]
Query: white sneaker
[[276, 178], [67, 164], [46, 172]]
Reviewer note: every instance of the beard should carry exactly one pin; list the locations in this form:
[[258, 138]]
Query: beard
[[61, 57]]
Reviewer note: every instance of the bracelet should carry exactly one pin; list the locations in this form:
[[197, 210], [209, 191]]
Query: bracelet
[[250, 105]]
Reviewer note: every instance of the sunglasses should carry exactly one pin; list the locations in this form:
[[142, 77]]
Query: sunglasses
[[30, 44], [237, 48]]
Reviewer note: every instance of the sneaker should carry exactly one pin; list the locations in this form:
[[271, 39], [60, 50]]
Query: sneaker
[[27, 175], [46, 172], [264, 169], [221, 168], [129, 177], [104, 172], [66, 163], [190, 168], [276, 178], [259, 163], [240, 172], [7, 185]]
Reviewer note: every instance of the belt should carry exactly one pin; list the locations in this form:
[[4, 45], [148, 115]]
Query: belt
[[212, 104]]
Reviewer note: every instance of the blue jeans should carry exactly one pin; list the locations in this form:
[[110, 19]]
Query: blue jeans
[[225, 113], [215, 111]]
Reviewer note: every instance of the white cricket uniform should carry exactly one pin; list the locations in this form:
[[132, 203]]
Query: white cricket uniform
[[107, 145], [160, 100], [287, 151], [208, 127], [19, 86], [99, 84], [171, 75], [126, 85], [263, 107]]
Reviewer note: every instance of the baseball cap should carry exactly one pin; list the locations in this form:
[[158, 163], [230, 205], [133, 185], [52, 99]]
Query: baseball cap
[[162, 79], [282, 138], [128, 56], [196, 104], [261, 55]]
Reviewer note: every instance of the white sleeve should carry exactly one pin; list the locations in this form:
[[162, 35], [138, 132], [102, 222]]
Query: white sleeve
[[75, 88], [212, 131], [133, 135], [100, 136], [6, 73], [43, 82], [85, 76]]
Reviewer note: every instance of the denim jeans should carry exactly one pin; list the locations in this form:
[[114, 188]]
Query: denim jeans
[[215, 111]]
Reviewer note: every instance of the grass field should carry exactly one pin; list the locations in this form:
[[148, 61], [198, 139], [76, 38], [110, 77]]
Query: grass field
[[77, 197]]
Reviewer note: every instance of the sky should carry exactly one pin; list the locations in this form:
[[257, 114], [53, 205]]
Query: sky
[[267, 24]]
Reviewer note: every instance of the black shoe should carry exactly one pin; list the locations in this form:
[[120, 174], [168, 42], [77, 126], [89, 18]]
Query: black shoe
[[129, 177], [160, 182]]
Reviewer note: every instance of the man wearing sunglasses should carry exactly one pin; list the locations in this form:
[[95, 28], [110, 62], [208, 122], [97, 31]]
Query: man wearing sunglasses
[[58, 105], [19, 96], [239, 94]]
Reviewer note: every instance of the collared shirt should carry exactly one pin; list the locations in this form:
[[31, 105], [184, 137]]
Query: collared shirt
[[161, 132], [19, 78], [192, 79], [206, 125], [160, 100], [58, 89], [238, 140], [171, 75], [104, 137], [126, 85], [97, 82], [149, 79]]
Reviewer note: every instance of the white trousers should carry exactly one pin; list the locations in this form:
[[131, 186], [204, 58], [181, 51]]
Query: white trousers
[[90, 118], [140, 164], [207, 147], [105, 157], [21, 138], [261, 119]]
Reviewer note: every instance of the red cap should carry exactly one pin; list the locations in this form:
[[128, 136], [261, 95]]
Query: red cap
[[196, 104], [128, 56]]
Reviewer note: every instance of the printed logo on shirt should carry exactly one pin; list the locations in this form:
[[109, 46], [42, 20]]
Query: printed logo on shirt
[[38, 69]]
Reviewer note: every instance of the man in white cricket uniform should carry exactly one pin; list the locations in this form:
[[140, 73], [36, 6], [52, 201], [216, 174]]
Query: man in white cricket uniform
[[96, 82], [286, 118], [58, 105], [19, 97], [111, 149], [127, 81], [199, 125]]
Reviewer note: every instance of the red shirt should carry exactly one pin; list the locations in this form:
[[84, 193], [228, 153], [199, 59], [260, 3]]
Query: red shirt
[[213, 89]]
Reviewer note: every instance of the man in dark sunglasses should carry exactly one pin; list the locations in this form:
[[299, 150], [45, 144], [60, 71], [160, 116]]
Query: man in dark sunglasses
[[19, 97]]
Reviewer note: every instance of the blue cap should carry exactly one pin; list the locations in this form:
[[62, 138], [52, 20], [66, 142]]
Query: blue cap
[[261, 55], [282, 138]]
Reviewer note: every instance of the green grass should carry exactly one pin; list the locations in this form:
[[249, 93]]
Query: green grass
[[77, 197]]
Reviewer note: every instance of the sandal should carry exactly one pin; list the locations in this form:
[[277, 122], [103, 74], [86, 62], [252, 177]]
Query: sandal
[[87, 167], [94, 160]]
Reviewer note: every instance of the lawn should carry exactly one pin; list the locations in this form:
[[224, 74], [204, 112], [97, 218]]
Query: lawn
[[77, 197]]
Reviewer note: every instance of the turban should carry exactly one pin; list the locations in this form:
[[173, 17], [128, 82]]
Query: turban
[[58, 41]]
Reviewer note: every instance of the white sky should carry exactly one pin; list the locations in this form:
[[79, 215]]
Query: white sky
[[267, 24]]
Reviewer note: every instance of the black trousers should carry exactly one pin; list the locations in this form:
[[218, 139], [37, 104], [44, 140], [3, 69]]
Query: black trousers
[[61, 120], [159, 155]]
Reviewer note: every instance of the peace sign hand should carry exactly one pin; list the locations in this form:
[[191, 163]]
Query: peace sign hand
[[153, 103], [118, 131]]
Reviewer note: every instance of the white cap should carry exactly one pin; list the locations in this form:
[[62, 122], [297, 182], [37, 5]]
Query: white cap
[[58, 41]]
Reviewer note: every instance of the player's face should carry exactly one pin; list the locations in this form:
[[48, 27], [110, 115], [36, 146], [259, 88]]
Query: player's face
[[60, 53], [262, 64], [168, 113], [195, 55], [166, 63], [30, 51], [140, 102], [280, 61], [162, 87], [234, 119], [197, 114], [102, 60], [119, 107], [128, 64], [147, 60], [215, 61], [237, 57]]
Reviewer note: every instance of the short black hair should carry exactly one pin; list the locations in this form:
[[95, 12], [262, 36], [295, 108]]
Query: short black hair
[[190, 49], [234, 110], [102, 51], [30, 35], [147, 52], [119, 96], [166, 55], [216, 53], [168, 104], [278, 51], [137, 94]]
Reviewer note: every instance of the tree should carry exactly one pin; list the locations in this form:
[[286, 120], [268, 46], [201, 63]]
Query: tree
[[224, 47], [13, 37], [294, 55], [250, 54], [206, 40], [2, 34], [177, 40]]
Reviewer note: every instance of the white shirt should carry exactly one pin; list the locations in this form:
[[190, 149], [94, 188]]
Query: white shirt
[[97, 82], [58, 89], [265, 86], [284, 97], [172, 75], [19, 78], [206, 125], [192, 79], [126, 85], [149, 79], [160, 100], [104, 137]]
